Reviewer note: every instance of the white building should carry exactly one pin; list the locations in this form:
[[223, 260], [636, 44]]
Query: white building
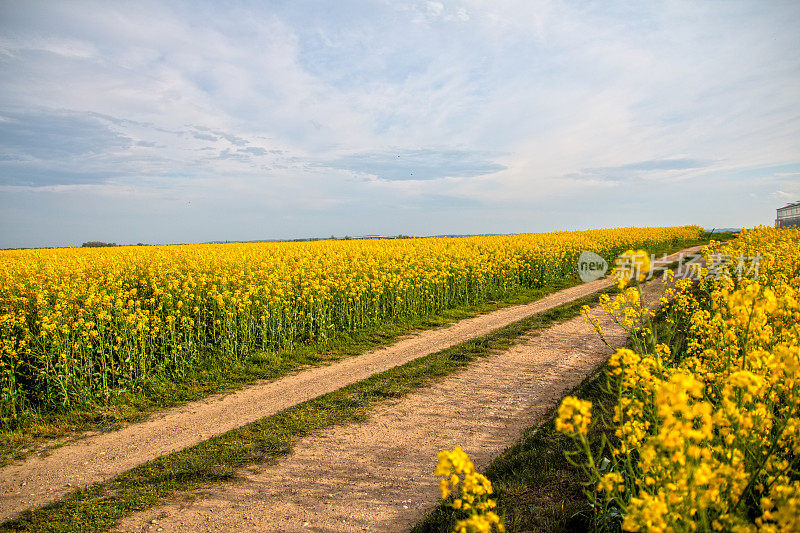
[[788, 216]]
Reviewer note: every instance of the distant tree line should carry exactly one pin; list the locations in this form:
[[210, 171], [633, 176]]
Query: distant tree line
[[97, 244]]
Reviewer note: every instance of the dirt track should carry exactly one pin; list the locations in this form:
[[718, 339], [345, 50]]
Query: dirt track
[[377, 475], [41, 480]]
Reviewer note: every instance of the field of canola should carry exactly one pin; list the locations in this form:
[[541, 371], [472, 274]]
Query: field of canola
[[706, 426], [78, 325]]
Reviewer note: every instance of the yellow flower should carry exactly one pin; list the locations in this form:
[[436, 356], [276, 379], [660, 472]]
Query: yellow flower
[[574, 416], [611, 482], [472, 493], [632, 265]]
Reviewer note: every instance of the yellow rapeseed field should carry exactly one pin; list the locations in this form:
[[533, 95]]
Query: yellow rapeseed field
[[707, 418], [78, 325]]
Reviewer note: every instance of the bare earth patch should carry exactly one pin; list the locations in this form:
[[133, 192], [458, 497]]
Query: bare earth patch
[[36, 481]]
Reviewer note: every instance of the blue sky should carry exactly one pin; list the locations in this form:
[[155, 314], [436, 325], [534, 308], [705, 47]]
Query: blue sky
[[166, 122]]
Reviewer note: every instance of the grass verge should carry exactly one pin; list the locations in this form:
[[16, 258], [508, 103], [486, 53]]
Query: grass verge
[[99, 506]]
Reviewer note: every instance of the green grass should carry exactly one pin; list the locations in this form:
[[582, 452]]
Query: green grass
[[99, 506], [40, 431]]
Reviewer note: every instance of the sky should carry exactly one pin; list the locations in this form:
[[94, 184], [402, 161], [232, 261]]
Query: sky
[[167, 122]]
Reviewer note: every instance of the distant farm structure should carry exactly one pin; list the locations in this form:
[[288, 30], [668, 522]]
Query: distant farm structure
[[788, 216]]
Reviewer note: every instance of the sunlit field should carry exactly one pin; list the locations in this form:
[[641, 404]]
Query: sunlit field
[[78, 326]]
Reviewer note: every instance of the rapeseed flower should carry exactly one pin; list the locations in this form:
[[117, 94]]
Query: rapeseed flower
[[707, 423]]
